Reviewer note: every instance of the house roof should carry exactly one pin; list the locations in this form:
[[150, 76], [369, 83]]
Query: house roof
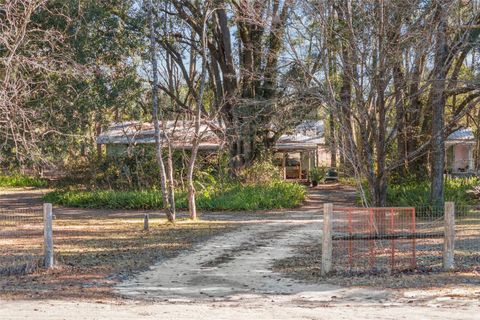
[[180, 133], [307, 135], [463, 135]]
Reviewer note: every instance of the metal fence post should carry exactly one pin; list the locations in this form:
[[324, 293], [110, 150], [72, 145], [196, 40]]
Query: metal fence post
[[449, 238], [327, 239], [47, 235]]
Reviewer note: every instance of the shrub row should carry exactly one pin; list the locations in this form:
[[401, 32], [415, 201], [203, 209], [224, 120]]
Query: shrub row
[[418, 193], [273, 195], [19, 180]]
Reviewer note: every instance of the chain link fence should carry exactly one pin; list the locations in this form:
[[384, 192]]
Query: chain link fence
[[21, 241]]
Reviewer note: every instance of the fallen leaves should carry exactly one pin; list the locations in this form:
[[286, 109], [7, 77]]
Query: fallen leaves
[[94, 254]]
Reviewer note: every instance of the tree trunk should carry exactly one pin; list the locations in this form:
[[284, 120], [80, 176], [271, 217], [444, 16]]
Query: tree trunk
[[333, 143], [170, 181], [381, 149], [98, 131], [400, 116], [158, 138], [345, 95], [477, 145], [415, 106], [437, 103], [192, 206]]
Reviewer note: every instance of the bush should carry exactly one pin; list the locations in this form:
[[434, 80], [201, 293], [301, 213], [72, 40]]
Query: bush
[[418, 193], [260, 172], [20, 180], [317, 174], [475, 192], [264, 196], [137, 170], [106, 199]]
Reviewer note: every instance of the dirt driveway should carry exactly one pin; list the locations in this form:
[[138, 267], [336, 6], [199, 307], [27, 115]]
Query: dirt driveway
[[237, 265], [230, 277]]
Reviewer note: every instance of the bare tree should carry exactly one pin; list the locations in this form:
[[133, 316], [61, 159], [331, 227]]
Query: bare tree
[[247, 93], [30, 53], [375, 86], [159, 140]]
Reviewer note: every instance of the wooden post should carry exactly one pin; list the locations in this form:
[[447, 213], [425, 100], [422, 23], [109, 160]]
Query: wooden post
[[327, 239], [146, 225], [449, 239], [47, 235], [284, 166]]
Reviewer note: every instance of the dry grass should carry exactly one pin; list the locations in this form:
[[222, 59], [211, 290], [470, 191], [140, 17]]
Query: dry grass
[[92, 254], [306, 264]]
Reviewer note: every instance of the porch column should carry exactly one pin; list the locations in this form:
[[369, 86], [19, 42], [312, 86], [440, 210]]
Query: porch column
[[284, 165], [471, 165], [300, 166], [309, 161]]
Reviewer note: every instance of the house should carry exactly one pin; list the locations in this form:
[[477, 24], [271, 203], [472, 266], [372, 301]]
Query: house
[[296, 152], [120, 136], [460, 147], [302, 149]]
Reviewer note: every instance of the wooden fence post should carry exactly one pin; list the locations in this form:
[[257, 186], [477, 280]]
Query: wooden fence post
[[327, 239], [449, 238], [146, 222], [47, 235]]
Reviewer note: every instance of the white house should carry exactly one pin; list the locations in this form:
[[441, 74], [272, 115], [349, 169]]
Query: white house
[[302, 149], [460, 146], [296, 152]]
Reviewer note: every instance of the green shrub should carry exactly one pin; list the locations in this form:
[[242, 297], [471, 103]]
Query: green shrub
[[349, 181], [317, 174], [135, 170], [138, 170], [260, 172], [273, 195], [20, 180], [418, 193], [106, 199], [265, 196]]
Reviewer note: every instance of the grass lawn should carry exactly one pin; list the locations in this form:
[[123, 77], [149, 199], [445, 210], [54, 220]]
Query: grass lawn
[[94, 253]]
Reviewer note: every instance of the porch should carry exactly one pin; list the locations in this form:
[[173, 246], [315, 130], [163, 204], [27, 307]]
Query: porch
[[460, 153], [295, 164]]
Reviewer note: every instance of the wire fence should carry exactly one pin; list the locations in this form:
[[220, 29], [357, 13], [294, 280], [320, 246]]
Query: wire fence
[[467, 238], [378, 240], [373, 239], [21, 241]]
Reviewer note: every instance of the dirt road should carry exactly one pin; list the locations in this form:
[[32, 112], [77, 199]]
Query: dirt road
[[230, 277], [47, 310]]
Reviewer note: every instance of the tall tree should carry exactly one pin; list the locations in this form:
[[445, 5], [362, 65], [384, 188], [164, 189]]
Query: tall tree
[[159, 139]]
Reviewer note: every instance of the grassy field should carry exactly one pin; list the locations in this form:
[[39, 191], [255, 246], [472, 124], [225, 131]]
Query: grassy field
[[93, 253]]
